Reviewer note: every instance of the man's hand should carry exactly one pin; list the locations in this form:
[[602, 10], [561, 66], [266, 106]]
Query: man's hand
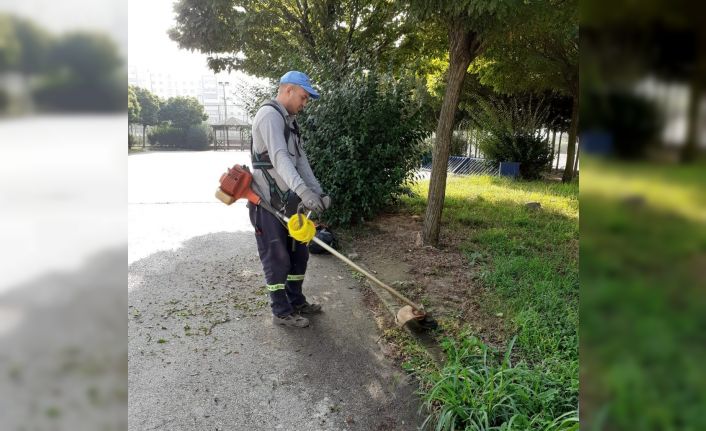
[[313, 201]]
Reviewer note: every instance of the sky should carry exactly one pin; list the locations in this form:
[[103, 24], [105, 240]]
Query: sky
[[150, 47], [60, 16], [140, 25]]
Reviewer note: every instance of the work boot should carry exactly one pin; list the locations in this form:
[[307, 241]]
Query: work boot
[[307, 308], [291, 320]]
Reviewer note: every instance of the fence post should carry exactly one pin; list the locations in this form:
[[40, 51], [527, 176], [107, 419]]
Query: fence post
[[558, 151]]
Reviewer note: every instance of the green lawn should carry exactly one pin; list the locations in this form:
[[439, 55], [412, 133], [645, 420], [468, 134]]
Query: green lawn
[[643, 296], [528, 265]]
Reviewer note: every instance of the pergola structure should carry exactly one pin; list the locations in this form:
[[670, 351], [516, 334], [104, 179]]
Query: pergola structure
[[231, 134]]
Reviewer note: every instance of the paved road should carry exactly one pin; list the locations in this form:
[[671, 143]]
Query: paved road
[[63, 353], [203, 353]]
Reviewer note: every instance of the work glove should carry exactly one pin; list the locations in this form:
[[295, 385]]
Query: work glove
[[313, 201], [326, 199]]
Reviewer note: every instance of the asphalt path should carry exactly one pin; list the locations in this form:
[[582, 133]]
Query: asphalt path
[[203, 353]]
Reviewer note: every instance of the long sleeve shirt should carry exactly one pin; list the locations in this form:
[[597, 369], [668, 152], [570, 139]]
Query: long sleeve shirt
[[291, 167]]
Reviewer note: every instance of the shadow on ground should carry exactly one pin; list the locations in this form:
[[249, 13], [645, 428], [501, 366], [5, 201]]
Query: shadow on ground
[[204, 354], [63, 361]]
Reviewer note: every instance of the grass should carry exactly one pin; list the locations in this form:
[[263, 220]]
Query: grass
[[528, 265], [479, 389], [642, 296]]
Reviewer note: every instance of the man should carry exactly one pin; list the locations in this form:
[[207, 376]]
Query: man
[[282, 176]]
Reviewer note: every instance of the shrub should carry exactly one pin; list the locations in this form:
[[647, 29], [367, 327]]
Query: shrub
[[363, 139], [530, 150], [4, 100], [197, 138], [131, 141], [633, 121], [512, 133], [166, 136]]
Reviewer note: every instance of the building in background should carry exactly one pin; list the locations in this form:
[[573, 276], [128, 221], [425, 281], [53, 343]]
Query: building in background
[[204, 88]]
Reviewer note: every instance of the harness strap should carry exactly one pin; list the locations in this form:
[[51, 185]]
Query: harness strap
[[262, 160]]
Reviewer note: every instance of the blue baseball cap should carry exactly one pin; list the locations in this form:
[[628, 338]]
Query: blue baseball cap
[[300, 79]]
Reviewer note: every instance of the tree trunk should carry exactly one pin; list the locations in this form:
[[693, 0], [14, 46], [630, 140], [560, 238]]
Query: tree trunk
[[690, 150], [553, 145], [571, 145], [576, 159], [144, 135], [463, 47]]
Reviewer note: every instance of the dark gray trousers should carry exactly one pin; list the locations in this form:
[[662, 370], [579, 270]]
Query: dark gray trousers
[[283, 258]]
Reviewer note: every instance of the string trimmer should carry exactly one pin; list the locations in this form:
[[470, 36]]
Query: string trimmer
[[235, 184]]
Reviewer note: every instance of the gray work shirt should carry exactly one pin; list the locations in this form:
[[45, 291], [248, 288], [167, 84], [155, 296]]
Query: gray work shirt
[[291, 167]]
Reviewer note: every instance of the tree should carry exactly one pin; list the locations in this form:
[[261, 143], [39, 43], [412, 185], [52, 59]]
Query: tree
[[559, 117], [133, 106], [35, 43], [10, 49], [267, 38], [253, 94], [85, 75], [149, 110], [625, 42], [182, 112], [537, 51], [90, 56], [466, 23]]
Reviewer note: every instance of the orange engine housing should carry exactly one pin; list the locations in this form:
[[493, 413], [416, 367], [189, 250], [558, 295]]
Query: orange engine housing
[[236, 184]]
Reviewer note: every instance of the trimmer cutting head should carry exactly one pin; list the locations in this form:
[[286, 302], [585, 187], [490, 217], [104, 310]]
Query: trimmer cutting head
[[407, 313], [417, 318]]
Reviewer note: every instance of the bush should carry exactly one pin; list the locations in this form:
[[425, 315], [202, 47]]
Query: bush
[[4, 100], [363, 139], [197, 138], [633, 121], [166, 136], [131, 141], [58, 92], [530, 150], [512, 133]]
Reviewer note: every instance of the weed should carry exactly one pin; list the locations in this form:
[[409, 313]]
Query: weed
[[357, 275], [480, 389], [527, 262]]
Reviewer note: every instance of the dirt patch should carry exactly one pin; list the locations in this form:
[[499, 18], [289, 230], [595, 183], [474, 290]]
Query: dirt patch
[[442, 279]]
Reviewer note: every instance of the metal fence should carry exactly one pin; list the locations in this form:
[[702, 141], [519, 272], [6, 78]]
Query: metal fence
[[467, 166]]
